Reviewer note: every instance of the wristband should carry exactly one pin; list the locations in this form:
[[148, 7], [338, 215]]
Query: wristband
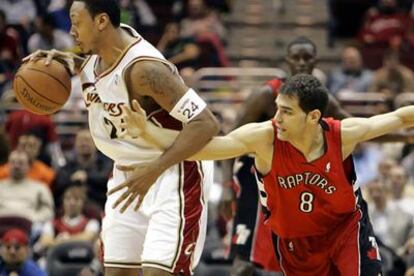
[[188, 107]]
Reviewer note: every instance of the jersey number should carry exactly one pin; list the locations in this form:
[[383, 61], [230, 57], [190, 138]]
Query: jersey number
[[306, 202], [189, 112], [113, 134]]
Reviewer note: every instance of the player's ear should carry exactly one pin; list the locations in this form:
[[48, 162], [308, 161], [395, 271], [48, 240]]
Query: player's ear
[[102, 21], [314, 116]]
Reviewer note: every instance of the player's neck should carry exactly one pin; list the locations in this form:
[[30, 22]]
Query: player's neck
[[113, 45], [312, 145]]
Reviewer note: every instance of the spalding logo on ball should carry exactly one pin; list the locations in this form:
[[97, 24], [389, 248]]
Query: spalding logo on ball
[[42, 89]]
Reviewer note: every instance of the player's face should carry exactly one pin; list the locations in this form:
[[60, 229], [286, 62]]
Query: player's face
[[83, 28], [290, 118], [301, 58]]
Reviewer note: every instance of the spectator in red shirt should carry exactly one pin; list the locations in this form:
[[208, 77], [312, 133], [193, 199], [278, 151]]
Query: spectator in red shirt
[[21, 121], [73, 225], [384, 24]]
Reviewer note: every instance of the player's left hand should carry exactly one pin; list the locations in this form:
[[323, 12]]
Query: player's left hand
[[141, 178], [133, 120]]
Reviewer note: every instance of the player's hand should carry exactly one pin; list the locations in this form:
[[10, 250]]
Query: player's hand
[[133, 121], [141, 178], [67, 58]]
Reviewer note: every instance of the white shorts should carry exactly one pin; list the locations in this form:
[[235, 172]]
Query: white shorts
[[168, 231]]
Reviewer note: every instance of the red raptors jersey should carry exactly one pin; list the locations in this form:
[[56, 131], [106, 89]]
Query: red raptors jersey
[[309, 198]]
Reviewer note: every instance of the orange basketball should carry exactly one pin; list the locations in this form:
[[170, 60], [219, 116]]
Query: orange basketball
[[42, 89]]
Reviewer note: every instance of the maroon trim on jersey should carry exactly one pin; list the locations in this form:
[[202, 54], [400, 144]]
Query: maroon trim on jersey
[[163, 118], [113, 66], [84, 63], [192, 199], [61, 227]]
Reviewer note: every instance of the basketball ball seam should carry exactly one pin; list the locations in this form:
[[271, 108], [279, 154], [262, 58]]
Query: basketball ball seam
[[58, 80], [18, 76]]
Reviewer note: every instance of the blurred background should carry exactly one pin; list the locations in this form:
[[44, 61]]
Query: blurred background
[[225, 50]]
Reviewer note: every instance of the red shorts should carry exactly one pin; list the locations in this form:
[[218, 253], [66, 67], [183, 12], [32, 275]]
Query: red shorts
[[350, 250]]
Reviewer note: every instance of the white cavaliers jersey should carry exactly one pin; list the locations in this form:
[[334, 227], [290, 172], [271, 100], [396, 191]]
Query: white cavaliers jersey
[[105, 93]]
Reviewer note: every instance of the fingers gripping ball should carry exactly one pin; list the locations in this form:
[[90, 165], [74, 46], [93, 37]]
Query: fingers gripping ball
[[42, 89]]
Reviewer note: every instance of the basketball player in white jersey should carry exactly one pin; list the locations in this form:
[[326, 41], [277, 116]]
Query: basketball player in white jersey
[[165, 235]]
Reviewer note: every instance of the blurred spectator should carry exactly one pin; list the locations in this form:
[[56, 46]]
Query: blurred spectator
[[19, 12], [21, 121], [4, 147], [402, 193], [384, 168], [9, 48], [59, 10], [72, 225], [47, 37], [408, 163], [351, 75], [38, 170], [21, 196], [15, 254], [393, 77], [9, 51], [140, 15], [384, 24], [367, 158], [201, 19], [392, 225], [183, 52], [87, 166]]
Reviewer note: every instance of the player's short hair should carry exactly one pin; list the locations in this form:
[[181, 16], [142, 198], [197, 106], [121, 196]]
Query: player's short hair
[[110, 7], [302, 40], [308, 90]]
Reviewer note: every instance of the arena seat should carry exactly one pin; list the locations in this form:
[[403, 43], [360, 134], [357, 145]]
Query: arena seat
[[69, 258], [363, 104]]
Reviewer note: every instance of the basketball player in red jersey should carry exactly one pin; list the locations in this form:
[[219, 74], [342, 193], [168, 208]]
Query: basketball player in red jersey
[[250, 237], [305, 175]]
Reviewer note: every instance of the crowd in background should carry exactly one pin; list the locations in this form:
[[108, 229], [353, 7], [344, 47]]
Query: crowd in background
[[53, 194]]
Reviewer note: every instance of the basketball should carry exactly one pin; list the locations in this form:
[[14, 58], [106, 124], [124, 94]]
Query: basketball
[[42, 89]]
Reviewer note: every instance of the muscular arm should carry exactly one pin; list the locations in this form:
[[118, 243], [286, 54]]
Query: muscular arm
[[154, 79], [252, 110], [240, 141], [356, 130]]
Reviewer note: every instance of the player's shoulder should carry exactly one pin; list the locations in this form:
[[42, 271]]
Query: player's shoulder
[[146, 70], [262, 131]]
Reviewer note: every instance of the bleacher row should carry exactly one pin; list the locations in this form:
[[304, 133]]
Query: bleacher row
[[226, 88]]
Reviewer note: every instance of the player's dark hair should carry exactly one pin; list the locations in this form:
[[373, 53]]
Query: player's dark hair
[[308, 90], [110, 7], [302, 40]]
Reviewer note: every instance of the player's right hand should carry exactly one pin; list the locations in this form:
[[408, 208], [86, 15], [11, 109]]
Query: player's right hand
[[65, 57]]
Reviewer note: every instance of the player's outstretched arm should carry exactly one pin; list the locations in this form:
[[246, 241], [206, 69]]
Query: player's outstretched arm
[[356, 130], [236, 143]]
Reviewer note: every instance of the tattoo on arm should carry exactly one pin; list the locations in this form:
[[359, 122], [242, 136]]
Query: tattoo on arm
[[156, 80]]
